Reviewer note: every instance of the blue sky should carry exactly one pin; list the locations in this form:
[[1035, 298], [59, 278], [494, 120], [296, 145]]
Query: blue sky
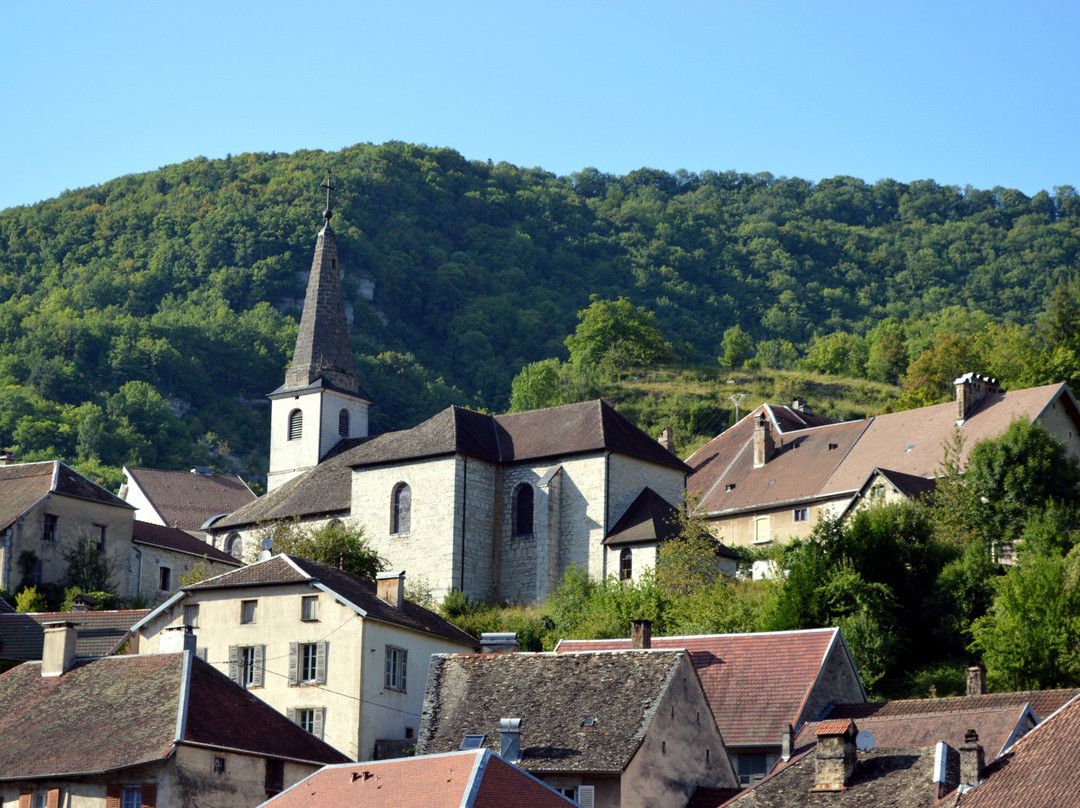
[[965, 93]]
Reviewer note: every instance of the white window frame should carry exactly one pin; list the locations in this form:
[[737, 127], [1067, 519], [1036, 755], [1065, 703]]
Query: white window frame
[[248, 611], [801, 514], [397, 661], [309, 608], [131, 797]]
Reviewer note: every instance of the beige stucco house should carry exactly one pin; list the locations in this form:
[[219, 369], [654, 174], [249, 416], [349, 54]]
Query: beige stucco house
[[343, 658]]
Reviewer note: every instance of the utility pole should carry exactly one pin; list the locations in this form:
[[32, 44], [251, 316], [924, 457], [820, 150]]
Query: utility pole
[[737, 400]]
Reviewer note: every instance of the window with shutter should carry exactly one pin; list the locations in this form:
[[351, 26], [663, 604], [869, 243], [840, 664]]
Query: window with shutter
[[234, 663], [112, 796], [294, 664], [52, 798], [586, 796], [258, 667], [317, 723], [395, 667], [343, 424], [296, 425], [149, 796], [320, 662]]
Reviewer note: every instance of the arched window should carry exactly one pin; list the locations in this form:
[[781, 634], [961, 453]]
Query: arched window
[[234, 546], [296, 424], [523, 510], [343, 423], [626, 564], [400, 508]]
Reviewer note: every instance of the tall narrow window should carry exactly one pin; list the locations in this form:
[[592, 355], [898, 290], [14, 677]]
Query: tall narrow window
[[401, 509], [626, 564], [164, 579], [343, 423], [48, 527], [523, 510], [296, 425], [234, 546], [396, 660]]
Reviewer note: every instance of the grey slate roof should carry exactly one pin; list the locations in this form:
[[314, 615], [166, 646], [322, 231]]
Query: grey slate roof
[[185, 500], [23, 485], [553, 694], [288, 569], [171, 538], [22, 636]]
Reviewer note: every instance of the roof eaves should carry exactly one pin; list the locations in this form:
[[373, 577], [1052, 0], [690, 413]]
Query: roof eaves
[[1016, 735], [724, 473], [782, 503], [182, 702], [476, 778], [215, 559], [154, 613]]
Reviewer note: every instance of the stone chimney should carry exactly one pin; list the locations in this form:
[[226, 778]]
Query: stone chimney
[[390, 587], [976, 680], [510, 736], [641, 634], [763, 441], [799, 405], [667, 439], [785, 743], [971, 388], [176, 639], [836, 757], [59, 651], [498, 642], [971, 759], [7, 458]]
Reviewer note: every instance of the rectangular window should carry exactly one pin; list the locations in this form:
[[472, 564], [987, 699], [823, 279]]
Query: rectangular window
[[308, 659], [309, 607], [164, 579], [246, 664], [751, 767], [396, 659], [247, 611], [191, 615], [801, 514], [48, 527], [38, 800], [99, 536], [307, 663], [275, 776], [131, 797], [761, 530], [219, 765]]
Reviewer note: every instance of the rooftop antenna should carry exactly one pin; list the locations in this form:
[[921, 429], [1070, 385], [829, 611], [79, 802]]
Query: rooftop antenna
[[328, 212], [737, 400]]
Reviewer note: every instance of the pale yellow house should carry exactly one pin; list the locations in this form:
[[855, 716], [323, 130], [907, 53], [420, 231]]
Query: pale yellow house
[[345, 659]]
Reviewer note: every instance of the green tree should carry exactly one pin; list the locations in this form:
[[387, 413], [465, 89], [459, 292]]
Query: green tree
[[30, 600], [616, 333], [737, 345], [88, 568], [336, 543], [537, 385]]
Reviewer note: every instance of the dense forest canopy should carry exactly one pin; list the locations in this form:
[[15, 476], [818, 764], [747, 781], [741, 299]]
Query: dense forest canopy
[[145, 319]]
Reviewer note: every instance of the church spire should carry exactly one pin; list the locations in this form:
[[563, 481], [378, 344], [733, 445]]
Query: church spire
[[322, 344]]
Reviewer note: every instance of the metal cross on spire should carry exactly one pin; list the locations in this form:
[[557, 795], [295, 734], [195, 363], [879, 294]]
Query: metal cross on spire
[[328, 212]]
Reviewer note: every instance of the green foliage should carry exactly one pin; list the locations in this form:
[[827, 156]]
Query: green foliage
[[200, 572], [336, 543], [88, 568], [737, 346], [104, 600], [30, 600], [616, 334]]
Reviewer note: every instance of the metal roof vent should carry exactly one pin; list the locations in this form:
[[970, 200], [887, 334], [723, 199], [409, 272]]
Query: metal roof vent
[[510, 733]]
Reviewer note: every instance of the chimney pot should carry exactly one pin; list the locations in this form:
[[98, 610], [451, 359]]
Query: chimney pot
[[836, 757], [7, 458], [498, 642], [763, 441], [976, 680], [390, 587], [59, 649], [971, 759], [667, 439], [176, 639], [641, 634]]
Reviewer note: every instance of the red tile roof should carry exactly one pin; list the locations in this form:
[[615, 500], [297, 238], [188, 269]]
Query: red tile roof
[[836, 726], [22, 636], [171, 538], [474, 778], [756, 684], [23, 485], [185, 499]]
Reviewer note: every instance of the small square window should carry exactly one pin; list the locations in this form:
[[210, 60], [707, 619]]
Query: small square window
[[39, 800], [191, 615], [801, 514], [164, 579], [309, 607], [219, 765], [247, 611]]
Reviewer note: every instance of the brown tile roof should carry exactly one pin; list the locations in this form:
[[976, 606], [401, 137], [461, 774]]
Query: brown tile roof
[[553, 694], [756, 684], [171, 538], [650, 518], [120, 711], [1042, 770], [287, 569], [22, 636], [23, 485], [185, 500], [473, 778]]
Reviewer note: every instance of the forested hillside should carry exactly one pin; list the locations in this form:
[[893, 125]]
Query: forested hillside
[[144, 319]]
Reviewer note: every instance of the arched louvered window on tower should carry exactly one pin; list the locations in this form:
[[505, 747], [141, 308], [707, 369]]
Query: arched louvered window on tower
[[523, 510], [296, 425], [626, 564], [401, 509], [343, 423]]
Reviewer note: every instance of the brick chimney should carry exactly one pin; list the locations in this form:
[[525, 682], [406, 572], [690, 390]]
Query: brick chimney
[[59, 650], [641, 634], [971, 759], [667, 439], [7, 458], [976, 680], [971, 388], [390, 587], [176, 639], [836, 757], [763, 441], [498, 642]]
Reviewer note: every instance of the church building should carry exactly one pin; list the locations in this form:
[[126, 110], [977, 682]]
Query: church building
[[498, 507]]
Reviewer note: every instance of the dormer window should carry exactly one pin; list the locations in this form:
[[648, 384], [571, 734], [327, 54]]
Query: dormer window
[[296, 425]]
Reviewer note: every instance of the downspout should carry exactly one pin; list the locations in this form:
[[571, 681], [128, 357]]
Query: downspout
[[607, 506], [464, 517], [138, 580]]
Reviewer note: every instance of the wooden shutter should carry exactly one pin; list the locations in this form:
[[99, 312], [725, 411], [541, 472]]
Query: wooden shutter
[[290, 713], [257, 678], [404, 667], [317, 723], [149, 795], [586, 796], [52, 798], [112, 797], [320, 662], [201, 653], [24, 799], [234, 664], [294, 663]]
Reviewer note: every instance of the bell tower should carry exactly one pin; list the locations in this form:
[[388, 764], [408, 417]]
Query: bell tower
[[321, 401]]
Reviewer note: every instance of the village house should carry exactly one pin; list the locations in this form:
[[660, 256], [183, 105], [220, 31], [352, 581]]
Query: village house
[[497, 507], [344, 658], [760, 687], [181, 499], [771, 476], [153, 731], [469, 778], [614, 728], [163, 556]]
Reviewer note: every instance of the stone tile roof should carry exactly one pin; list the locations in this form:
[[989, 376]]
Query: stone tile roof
[[22, 636], [171, 538], [553, 694], [121, 711], [23, 485], [651, 518], [288, 569], [185, 499], [1042, 770], [883, 778], [573, 429], [756, 684], [474, 778]]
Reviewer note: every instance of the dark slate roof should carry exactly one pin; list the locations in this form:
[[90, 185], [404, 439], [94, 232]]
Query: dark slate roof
[[473, 778], [903, 778], [288, 569], [552, 694], [25, 484], [171, 538], [649, 519], [756, 684], [121, 711], [185, 499], [910, 485], [1041, 771], [22, 636]]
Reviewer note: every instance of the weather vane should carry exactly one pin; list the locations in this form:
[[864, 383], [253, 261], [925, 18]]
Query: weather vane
[[327, 213]]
